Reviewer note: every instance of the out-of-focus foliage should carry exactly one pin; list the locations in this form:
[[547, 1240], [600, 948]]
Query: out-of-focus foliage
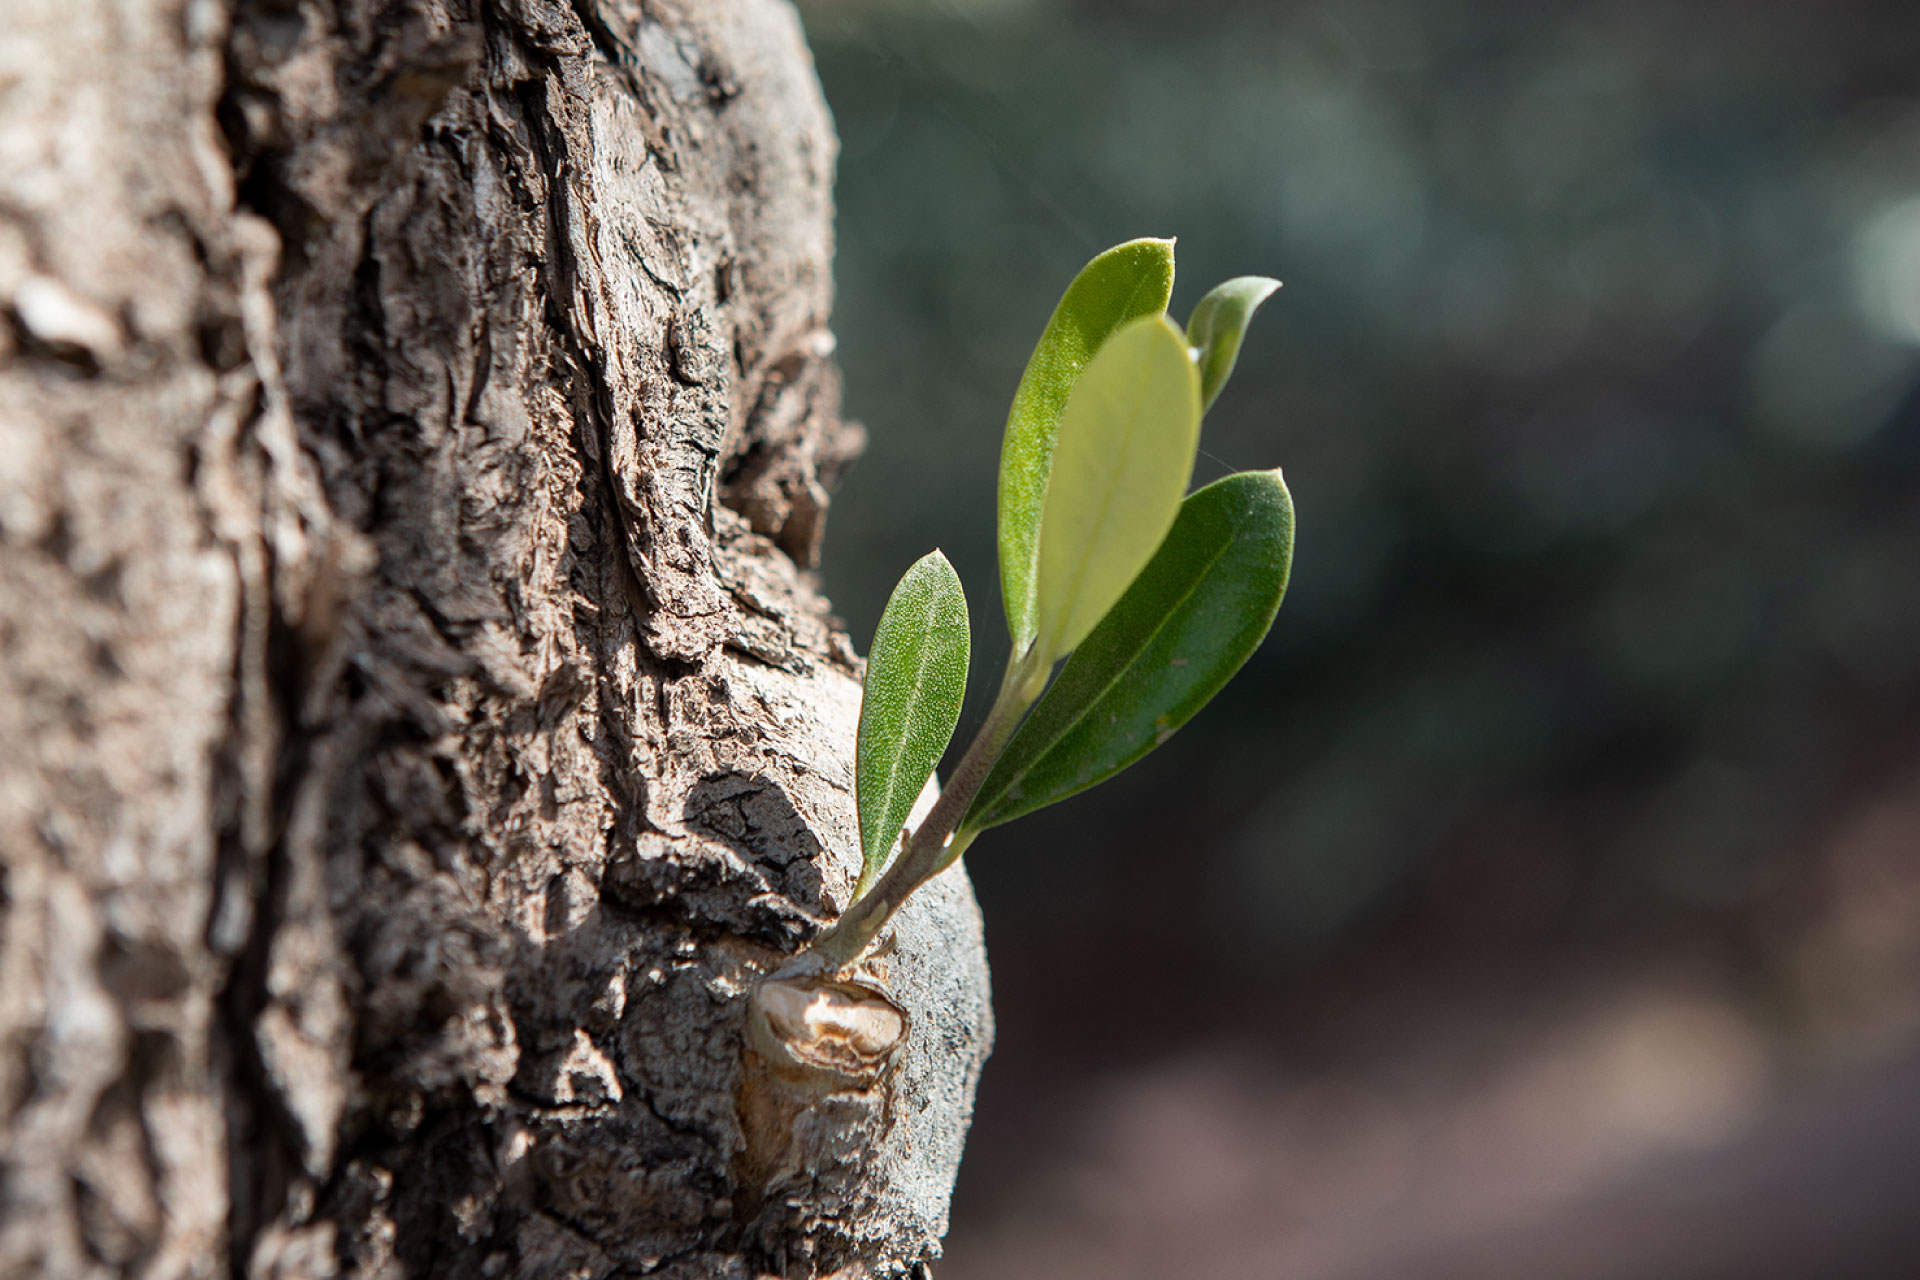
[[1593, 380], [1571, 819]]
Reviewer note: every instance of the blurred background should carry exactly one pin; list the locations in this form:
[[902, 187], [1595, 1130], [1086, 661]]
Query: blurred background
[[1543, 900]]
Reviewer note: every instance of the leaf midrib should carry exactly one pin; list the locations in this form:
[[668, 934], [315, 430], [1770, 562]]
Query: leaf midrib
[[1106, 500], [897, 758], [1166, 618]]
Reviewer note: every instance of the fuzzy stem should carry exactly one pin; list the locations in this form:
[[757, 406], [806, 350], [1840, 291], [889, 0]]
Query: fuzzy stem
[[932, 847]]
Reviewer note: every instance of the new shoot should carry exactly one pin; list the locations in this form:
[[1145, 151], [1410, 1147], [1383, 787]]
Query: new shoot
[[1130, 602]]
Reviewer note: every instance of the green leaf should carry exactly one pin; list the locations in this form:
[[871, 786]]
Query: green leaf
[[1218, 324], [1121, 460], [1188, 622], [916, 679], [1127, 281]]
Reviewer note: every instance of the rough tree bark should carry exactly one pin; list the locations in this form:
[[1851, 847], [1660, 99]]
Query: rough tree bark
[[417, 727]]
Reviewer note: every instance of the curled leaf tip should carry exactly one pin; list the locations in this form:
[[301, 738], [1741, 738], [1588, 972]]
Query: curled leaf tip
[[1218, 325]]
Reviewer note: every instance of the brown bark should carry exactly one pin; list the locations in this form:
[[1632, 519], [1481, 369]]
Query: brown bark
[[419, 727]]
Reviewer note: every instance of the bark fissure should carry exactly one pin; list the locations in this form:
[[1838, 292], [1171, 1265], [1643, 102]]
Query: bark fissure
[[427, 449]]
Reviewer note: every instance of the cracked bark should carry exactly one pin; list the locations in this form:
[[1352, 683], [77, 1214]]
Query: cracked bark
[[418, 728]]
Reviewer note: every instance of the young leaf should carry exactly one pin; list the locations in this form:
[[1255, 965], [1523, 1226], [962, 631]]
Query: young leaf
[[1188, 622], [1127, 281], [1217, 325], [1121, 461], [916, 678]]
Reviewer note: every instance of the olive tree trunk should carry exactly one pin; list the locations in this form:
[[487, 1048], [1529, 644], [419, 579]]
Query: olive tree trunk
[[418, 730]]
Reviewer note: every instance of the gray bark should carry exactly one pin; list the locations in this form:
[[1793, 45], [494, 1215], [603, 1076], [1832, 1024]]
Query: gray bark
[[418, 728]]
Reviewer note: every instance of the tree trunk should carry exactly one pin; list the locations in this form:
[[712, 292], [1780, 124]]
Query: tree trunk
[[418, 730]]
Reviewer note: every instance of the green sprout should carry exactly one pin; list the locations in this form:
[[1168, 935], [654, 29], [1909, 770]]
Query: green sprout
[[1152, 596]]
